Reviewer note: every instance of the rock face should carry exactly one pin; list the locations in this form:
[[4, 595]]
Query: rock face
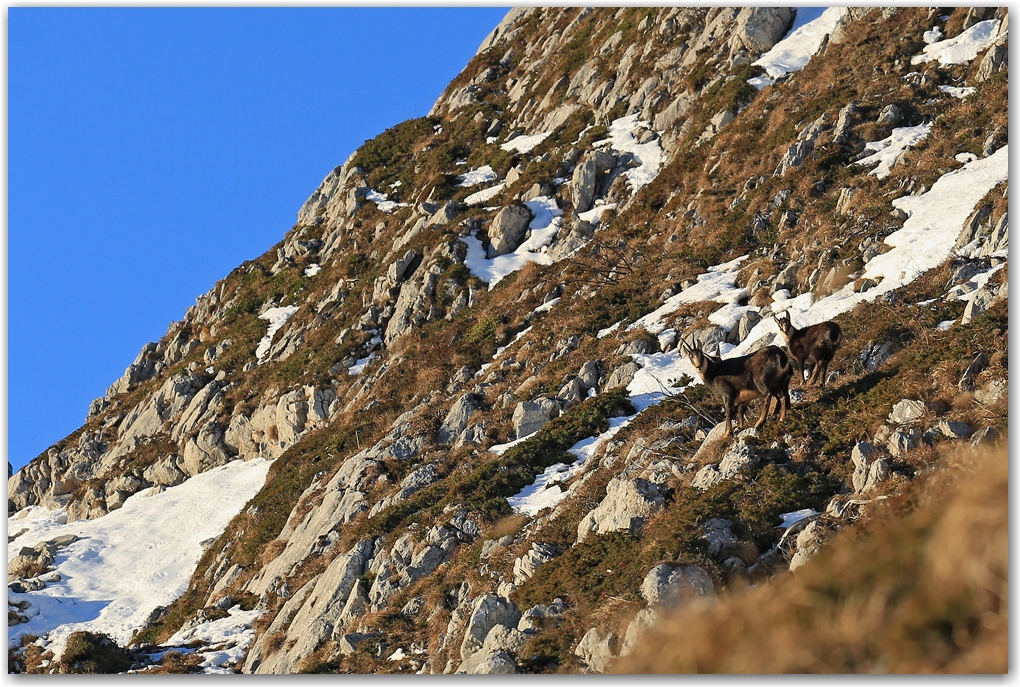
[[488, 612]]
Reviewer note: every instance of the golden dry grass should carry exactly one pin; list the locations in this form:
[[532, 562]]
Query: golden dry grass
[[925, 593]]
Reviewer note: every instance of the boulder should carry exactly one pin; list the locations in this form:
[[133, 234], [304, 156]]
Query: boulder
[[487, 611], [669, 585], [531, 416], [627, 505], [863, 455], [507, 229], [809, 542], [456, 420], [759, 28], [906, 412], [595, 650], [622, 376]]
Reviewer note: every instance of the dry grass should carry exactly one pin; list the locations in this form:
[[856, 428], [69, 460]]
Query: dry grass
[[924, 593]]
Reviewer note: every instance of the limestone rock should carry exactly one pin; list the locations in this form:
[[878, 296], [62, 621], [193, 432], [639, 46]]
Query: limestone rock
[[456, 419], [644, 619], [669, 585], [622, 376], [906, 411], [760, 28], [538, 555], [627, 505], [595, 650], [487, 611], [531, 416], [507, 229]]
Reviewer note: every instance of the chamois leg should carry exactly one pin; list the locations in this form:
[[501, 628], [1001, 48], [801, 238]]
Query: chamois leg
[[728, 404], [784, 405], [825, 371], [766, 402]]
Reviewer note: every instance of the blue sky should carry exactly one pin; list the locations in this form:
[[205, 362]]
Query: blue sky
[[151, 151]]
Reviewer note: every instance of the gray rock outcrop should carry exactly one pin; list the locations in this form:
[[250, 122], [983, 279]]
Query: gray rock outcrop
[[507, 229], [626, 507]]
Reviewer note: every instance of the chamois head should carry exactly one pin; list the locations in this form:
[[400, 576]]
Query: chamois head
[[697, 357], [785, 324]]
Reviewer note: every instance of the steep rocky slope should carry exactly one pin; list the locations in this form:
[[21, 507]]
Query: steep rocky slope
[[489, 454]]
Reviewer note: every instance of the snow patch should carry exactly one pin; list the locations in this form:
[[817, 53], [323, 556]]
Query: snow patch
[[888, 149], [312, 270], [647, 155], [960, 92], [962, 48], [229, 639], [476, 176], [525, 144], [545, 491], [359, 366], [793, 52], [546, 224], [277, 317], [382, 201], [485, 195]]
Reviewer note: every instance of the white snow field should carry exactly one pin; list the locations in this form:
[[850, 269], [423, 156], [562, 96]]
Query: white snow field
[[130, 561], [546, 223]]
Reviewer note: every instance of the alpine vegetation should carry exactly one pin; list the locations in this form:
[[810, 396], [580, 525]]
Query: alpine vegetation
[[480, 410]]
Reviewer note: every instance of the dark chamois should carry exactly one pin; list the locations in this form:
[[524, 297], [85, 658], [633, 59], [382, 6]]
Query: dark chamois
[[738, 381], [815, 345]]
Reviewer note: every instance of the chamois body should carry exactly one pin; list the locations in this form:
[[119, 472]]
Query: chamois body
[[738, 381], [813, 346]]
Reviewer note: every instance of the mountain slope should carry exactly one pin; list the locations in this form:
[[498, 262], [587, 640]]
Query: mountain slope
[[489, 454]]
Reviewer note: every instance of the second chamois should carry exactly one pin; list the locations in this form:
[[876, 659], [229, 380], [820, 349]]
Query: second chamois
[[738, 381], [813, 346]]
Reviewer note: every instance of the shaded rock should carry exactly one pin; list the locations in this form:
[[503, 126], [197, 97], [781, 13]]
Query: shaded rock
[[622, 376], [890, 115], [456, 419], [718, 532]]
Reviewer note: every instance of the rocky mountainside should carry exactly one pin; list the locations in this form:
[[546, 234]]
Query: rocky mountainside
[[485, 451]]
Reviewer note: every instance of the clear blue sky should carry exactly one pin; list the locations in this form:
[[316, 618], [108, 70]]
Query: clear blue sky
[[151, 151]]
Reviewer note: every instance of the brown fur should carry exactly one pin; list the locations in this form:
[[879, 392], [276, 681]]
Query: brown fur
[[738, 381], [815, 346]]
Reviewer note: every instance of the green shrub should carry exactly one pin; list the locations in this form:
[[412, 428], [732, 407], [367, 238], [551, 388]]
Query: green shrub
[[93, 653]]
